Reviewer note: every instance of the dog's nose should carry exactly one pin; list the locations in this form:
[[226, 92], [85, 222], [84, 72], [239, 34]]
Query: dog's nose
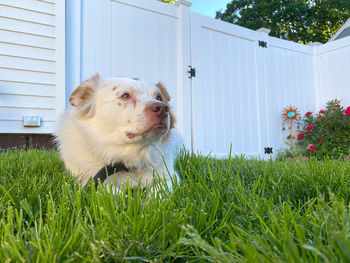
[[159, 109]]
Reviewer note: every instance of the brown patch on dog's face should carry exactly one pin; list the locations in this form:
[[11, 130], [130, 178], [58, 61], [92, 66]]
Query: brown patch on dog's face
[[81, 97], [172, 120], [172, 125], [166, 98], [164, 92]]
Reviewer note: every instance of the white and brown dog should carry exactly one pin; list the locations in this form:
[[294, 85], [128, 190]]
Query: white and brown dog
[[119, 120]]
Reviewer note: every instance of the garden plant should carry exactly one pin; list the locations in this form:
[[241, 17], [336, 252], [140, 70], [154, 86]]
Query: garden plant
[[326, 133]]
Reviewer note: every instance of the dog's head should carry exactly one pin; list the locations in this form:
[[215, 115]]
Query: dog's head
[[123, 109]]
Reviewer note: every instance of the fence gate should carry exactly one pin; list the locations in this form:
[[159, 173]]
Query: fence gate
[[225, 88]]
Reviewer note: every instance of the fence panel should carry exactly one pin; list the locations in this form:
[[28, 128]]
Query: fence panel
[[225, 108], [289, 81], [241, 88], [334, 71]]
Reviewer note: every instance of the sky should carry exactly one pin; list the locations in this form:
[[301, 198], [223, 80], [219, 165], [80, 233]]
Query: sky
[[208, 7]]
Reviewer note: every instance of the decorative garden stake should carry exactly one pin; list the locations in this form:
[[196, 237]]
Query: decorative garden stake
[[290, 114]]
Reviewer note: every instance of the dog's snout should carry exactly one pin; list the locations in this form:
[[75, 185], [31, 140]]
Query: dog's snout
[[159, 109]]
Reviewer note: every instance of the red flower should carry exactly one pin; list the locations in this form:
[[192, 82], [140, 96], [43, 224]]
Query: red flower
[[320, 139], [309, 127], [337, 105], [347, 111], [301, 135], [322, 111], [311, 148], [308, 113]]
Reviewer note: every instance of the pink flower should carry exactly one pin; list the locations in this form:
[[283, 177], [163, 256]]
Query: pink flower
[[308, 113], [322, 111], [311, 148], [337, 105], [301, 135], [320, 139], [347, 111], [309, 127]]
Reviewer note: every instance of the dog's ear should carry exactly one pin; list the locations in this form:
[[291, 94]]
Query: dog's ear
[[85, 91], [166, 99], [81, 98], [164, 92]]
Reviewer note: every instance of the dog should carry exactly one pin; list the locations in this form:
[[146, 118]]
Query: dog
[[119, 120]]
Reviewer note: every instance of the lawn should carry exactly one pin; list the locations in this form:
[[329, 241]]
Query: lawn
[[232, 210]]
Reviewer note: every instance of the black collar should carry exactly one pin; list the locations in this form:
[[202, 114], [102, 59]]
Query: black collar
[[109, 170]]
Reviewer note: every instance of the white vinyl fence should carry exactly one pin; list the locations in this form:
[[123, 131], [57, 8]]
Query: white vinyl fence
[[333, 66], [241, 88], [243, 78]]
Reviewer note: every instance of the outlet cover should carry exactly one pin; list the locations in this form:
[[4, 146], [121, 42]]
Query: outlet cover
[[31, 121]]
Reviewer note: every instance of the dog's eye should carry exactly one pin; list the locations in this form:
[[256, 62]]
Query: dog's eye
[[159, 98], [125, 96]]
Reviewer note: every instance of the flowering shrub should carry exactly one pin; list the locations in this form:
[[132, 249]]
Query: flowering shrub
[[326, 133]]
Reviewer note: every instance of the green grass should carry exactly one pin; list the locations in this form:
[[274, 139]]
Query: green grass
[[232, 210]]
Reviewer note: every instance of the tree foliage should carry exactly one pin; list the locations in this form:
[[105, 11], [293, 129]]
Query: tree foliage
[[301, 21], [169, 1]]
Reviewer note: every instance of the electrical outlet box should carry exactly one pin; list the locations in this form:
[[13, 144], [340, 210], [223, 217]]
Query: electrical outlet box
[[31, 121]]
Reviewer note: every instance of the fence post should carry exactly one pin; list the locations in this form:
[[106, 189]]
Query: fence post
[[316, 74], [73, 44], [261, 90], [60, 58], [184, 90]]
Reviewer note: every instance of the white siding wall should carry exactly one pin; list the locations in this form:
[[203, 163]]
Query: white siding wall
[[28, 63]]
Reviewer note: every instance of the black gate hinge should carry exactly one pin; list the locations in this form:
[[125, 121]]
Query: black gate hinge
[[268, 150], [191, 72], [262, 43]]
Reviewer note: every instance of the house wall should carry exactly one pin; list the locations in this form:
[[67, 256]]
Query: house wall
[[31, 62]]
